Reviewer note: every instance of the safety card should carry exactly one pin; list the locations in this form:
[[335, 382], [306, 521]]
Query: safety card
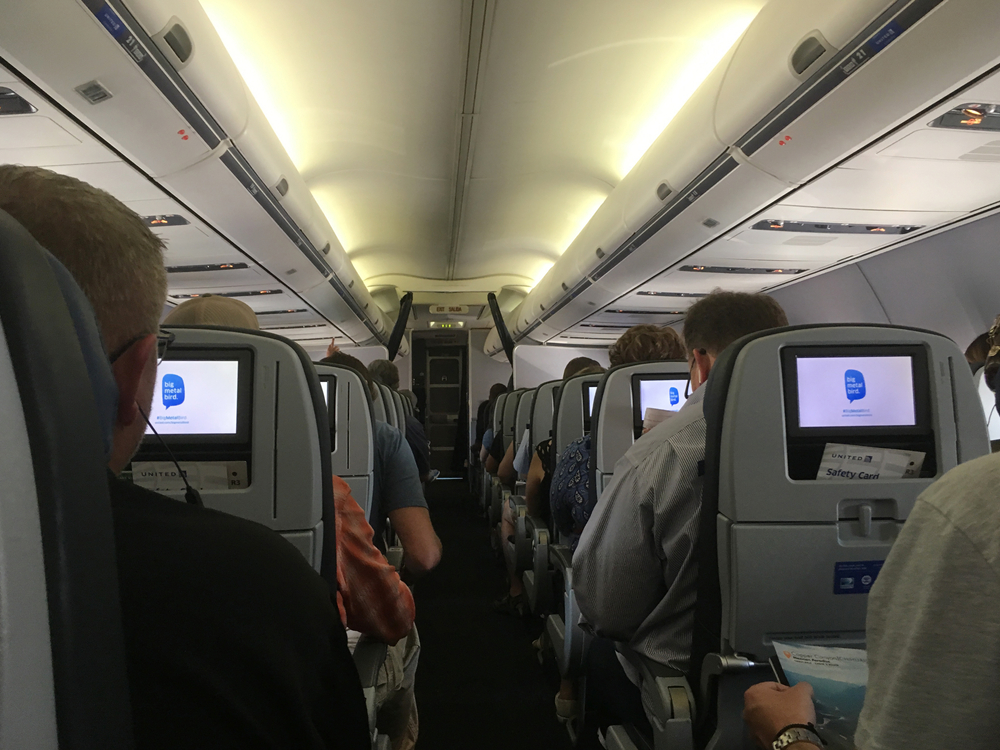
[[859, 462], [838, 677]]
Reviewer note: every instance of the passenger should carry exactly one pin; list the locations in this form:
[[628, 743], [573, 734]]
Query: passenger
[[371, 598], [397, 493], [932, 620], [483, 416], [385, 372], [536, 495], [497, 390], [570, 498], [978, 350], [213, 310], [231, 638], [635, 568]]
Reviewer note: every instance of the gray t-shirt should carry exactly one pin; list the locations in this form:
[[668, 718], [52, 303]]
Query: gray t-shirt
[[934, 621]]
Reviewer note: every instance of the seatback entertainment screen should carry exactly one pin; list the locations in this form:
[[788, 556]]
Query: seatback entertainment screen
[[195, 398], [203, 397], [845, 389], [855, 391]]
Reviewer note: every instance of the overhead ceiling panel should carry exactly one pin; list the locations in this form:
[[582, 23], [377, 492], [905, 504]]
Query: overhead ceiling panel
[[364, 97], [571, 96]]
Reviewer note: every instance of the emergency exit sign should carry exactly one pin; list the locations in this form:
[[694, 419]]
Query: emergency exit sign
[[449, 309]]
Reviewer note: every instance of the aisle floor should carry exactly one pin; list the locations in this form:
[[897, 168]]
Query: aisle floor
[[479, 683]]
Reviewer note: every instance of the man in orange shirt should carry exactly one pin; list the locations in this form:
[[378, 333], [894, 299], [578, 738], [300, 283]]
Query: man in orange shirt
[[373, 601]]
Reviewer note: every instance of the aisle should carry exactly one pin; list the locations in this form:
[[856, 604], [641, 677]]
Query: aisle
[[479, 684]]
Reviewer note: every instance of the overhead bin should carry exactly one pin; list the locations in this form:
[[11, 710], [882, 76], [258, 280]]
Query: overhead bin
[[808, 85], [159, 87]]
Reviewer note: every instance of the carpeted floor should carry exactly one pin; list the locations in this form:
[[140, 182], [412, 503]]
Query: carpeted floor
[[479, 684]]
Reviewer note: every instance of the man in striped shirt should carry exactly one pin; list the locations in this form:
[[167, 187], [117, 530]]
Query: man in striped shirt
[[635, 569]]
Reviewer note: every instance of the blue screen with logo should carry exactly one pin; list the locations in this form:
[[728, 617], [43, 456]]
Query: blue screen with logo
[[195, 397], [856, 391]]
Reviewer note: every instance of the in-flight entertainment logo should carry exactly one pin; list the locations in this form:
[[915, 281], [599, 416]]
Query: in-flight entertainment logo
[[675, 397], [173, 390], [854, 384]]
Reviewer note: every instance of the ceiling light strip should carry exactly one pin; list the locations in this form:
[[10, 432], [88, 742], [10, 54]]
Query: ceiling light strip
[[904, 13]]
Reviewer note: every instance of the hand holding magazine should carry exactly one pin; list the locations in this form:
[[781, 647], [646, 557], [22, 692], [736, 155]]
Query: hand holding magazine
[[838, 677]]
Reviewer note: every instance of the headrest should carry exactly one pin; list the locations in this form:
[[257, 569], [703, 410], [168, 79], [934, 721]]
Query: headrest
[[95, 357]]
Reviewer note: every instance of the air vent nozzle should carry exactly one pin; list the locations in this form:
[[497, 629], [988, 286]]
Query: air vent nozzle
[[600, 253], [663, 191], [282, 187]]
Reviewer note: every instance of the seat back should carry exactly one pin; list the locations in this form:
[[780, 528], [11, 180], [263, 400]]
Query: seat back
[[774, 401], [620, 404], [522, 421], [988, 399], [510, 416], [397, 401], [572, 418], [496, 417], [543, 409], [62, 653], [352, 430], [244, 413], [378, 407], [385, 396]]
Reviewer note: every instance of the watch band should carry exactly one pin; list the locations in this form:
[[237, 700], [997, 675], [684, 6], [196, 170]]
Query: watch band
[[796, 733]]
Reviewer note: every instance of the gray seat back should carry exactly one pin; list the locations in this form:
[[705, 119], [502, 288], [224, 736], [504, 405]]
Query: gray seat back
[[352, 431], [542, 411], [522, 420], [271, 461], [397, 403], [510, 416], [62, 654], [568, 424], [378, 406], [622, 398], [772, 398], [389, 406], [496, 417]]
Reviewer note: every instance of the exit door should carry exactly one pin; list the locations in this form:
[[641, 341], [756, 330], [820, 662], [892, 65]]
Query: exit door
[[443, 397]]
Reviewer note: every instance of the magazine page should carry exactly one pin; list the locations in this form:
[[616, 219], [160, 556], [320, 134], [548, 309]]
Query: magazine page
[[838, 677]]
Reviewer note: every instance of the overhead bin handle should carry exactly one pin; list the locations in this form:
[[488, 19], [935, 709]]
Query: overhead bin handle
[[396, 338], [505, 339]]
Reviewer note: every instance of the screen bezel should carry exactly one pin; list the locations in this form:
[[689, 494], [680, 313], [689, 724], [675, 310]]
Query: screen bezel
[[585, 393], [641, 377], [331, 404], [921, 388], [244, 396]]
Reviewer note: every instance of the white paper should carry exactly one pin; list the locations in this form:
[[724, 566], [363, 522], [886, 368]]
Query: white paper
[[862, 463], [654, 416], [838, 677]]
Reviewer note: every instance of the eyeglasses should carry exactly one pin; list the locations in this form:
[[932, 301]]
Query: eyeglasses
[[687, 388], [163, 341]]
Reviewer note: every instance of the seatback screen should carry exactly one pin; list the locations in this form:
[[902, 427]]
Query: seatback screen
[[988, 399], [841, 390], [667, 395], [856, 392], [325, 385], [203, 396], [195, 397]]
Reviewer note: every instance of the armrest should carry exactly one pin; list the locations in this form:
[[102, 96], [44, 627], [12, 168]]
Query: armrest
[[518, 506], [368, 658], [561, 556], [667, 697]]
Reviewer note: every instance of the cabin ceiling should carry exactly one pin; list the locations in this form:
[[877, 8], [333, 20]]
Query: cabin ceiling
[[461, 146]]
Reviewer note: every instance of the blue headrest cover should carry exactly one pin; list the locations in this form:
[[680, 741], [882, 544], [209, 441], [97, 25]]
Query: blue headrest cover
[[102, 381]]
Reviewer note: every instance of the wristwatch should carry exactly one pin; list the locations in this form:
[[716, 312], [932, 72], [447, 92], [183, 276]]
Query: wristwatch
[[796, 733]]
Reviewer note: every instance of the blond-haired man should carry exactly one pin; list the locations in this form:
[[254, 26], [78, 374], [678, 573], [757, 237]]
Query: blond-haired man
[[232, 640]]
